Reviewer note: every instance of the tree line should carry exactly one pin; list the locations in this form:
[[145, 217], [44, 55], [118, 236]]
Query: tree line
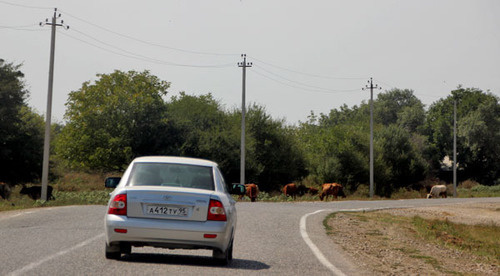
[[123, 115]]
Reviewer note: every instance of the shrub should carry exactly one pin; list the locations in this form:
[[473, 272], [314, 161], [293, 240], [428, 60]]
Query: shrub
[[468, 184]]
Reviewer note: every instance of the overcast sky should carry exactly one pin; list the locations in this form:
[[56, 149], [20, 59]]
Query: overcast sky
[[307, 55]]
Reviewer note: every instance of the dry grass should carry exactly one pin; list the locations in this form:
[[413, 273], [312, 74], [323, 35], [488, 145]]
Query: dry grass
[[481, 240]]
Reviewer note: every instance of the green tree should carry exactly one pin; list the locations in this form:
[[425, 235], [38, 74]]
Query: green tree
[[21, 129], [399, 161], [399, 106], [478, 135], [273, 156], [336, 147], [206, 131], [120, 116]]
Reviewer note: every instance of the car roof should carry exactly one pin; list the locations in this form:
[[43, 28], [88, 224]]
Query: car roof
[[175, 159]]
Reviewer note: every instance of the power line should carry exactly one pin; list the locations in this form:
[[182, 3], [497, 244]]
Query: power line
[[147, 42], [309, 74], [17, 27], [21, 29], [122, 35], [303, 84], [141, 57], [25, 6], [322, 91]]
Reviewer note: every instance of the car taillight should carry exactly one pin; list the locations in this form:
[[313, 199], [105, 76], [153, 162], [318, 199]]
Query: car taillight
[[216, 211], [119, 205]]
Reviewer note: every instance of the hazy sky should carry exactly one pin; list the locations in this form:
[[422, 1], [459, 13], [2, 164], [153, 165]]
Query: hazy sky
[[307, 55]]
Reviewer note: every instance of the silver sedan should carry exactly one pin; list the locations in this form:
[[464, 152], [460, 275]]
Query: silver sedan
[[171, 202]]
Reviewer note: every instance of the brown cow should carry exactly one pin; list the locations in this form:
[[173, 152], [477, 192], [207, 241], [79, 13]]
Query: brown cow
[[302, 190], [4, 190], [252, 190], [333, 189], [313, 191], [290, 190]]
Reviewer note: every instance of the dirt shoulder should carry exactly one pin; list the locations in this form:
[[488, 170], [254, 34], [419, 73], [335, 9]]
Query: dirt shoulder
[[387, 245]]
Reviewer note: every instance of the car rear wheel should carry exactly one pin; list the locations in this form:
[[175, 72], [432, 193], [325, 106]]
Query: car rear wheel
[[223, 258], [125, 248], [112, 252]]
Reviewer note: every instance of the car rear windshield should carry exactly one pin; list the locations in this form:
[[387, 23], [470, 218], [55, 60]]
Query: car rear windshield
[[173, 175]]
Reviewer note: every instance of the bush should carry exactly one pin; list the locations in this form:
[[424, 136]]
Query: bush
[[468, 184], [81, 181], [480, 191], [486, 189], [362, 191], [405, 193]]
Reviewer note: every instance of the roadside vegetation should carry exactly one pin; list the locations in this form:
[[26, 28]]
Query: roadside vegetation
[[79, 188], [125, 114], [394, 244], [481, 240]]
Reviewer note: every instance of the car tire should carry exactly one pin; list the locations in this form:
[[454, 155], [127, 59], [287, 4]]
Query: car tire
[[223, 257], [125, 248], [112, 252]]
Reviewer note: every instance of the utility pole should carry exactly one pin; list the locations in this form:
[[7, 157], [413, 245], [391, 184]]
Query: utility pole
[[244, 65], [371, 87], [46, 144], [455, 148]]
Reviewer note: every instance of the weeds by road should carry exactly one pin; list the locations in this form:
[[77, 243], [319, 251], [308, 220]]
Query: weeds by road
[[422, 240]]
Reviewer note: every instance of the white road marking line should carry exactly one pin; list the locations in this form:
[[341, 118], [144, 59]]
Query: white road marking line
[[314, 248], [60, 253], [16, 215]]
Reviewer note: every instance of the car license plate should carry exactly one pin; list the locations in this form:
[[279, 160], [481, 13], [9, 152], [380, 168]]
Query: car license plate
[[166, 210]]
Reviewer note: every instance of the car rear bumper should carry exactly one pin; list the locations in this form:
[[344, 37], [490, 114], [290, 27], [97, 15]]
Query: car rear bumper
[[167, 233]]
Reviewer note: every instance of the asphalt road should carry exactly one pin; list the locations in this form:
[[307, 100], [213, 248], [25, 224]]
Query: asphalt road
[[271, 238]]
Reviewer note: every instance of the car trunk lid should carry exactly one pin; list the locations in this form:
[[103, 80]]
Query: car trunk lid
[[170, 203]]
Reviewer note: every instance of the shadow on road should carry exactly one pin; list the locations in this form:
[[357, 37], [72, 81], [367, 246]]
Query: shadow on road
[[191, 261]]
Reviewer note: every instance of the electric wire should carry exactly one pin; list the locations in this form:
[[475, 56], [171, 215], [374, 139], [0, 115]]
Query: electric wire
[[308, 74], [17, 27], [143, 58], [323, 91], [147, 42], [140, 57], [22, 29], [300, 83], [25, 6]]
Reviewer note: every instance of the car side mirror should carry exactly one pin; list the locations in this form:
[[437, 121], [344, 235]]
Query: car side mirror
[[112, 182], [237, 189]]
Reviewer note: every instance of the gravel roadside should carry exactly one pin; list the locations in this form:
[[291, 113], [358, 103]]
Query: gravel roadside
[[393, 249]]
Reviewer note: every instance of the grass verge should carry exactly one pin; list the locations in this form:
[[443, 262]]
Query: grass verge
[[480, 240]]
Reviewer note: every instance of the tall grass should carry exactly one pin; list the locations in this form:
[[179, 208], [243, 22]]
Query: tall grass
[[481, 240], [75, 188], [62, 198], [479, 191]]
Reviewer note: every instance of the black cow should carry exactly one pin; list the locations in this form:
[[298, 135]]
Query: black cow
[[35, 192], [4, 190]]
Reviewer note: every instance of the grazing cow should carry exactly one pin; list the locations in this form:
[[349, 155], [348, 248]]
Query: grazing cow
[[313, 191], [302, 190], [333, 189], [437, 191], [4, 190], [35, 192], [290, 190], [252, 190]]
